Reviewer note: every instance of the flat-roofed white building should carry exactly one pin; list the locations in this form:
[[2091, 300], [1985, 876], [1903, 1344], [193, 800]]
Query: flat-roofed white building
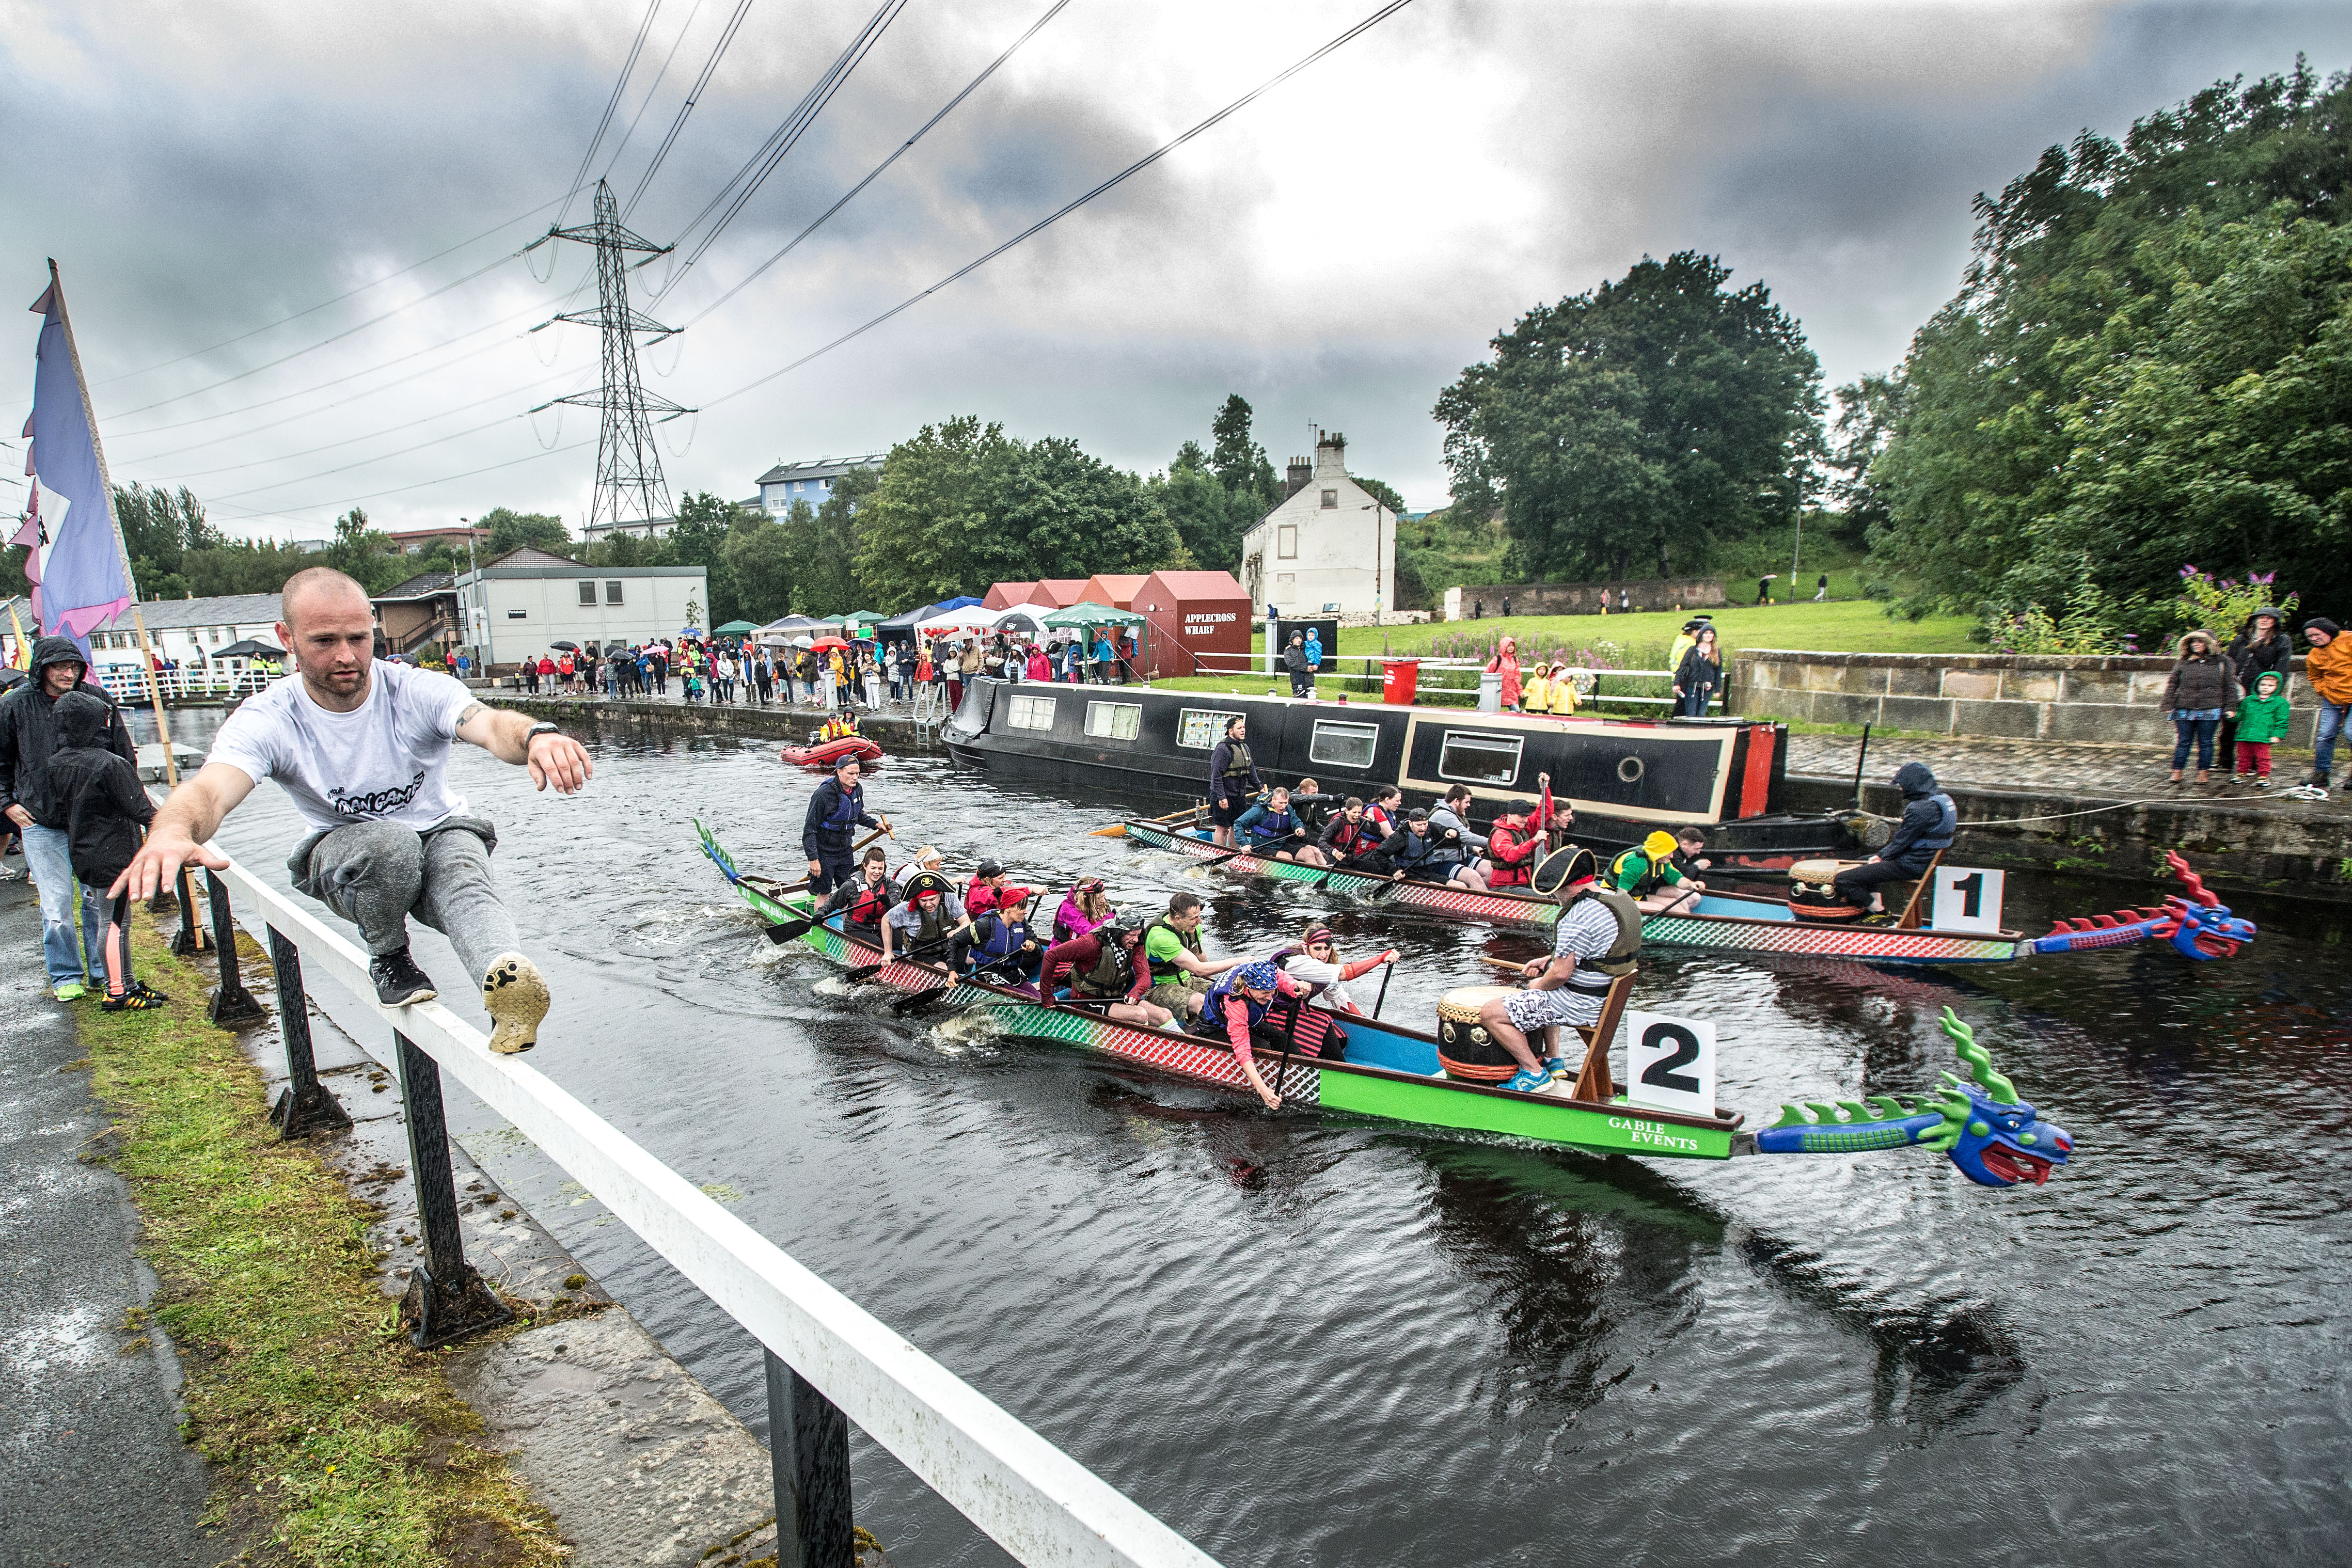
[[527, 600]]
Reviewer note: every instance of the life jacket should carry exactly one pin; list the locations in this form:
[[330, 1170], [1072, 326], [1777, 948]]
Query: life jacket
[[998, 937], [1348, 839], [1379, 821], [1167, 968], [932, 923], [1939, 837], [1212, 1005], [872, 902], [1619, 959], [1513, 851], [1113, 972], [1418, 850], [1273, 826], [1652, 876], [847, 807], [1238, 766]]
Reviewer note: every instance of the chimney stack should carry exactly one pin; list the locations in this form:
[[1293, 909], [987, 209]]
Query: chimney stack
[[1300, 472]]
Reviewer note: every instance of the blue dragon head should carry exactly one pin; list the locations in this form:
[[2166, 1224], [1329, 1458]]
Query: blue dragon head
[[2204, 928], [1994, 1137]]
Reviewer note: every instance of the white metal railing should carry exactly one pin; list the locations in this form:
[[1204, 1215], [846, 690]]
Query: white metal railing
[[1032, 1500], [128, 683], [1270, 667]]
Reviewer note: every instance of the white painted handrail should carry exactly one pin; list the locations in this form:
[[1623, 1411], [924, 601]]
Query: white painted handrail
[[1032, 1500]]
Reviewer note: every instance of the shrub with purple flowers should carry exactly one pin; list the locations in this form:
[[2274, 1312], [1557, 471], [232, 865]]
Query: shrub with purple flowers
[[2223, 606]]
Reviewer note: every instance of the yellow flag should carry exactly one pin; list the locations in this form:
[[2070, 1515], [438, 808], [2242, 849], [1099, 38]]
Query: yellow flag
[[24, 659]]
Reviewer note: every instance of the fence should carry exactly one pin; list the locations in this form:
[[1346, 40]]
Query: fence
[[1590, 691], [829, 1361], [127, 683]]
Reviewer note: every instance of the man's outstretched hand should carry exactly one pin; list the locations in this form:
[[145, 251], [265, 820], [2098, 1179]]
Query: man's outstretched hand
[[157, 864], [560, 760]]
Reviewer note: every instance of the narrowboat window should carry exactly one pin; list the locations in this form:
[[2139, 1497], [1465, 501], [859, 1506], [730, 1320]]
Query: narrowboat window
[[1480, 758], [1115, 721], [1031, 713], [1343, 745], [1200, 730]]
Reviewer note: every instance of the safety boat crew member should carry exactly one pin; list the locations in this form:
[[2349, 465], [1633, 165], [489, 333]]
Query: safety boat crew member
[[868, 896], [1647, 874], [836, 812], [1930, 823], [927, 923], [1598, 936], [1105, 966], [1233, 782], [1180, 972], [1235, 1009]]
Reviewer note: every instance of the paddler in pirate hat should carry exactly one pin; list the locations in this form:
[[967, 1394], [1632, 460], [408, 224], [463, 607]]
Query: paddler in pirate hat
[[1598, 934]]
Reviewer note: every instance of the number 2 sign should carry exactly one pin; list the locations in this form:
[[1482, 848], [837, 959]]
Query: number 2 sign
[[1670, 1063], [1968, 901]]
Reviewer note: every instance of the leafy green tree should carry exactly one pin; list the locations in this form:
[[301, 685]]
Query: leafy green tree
[[514, 530], [1239, 460], [1209, 519], [159, 529], [760, 564], [1638, 424], [2149, 363], [363, 553], [1384, 493], [698, 538], [827, 547], [1867, 412], [245, 567]]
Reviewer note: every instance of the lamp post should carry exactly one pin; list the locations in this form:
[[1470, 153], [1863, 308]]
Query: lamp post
[[1379, 557]]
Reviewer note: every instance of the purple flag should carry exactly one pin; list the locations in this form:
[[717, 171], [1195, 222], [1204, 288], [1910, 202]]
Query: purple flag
[[82, 581]]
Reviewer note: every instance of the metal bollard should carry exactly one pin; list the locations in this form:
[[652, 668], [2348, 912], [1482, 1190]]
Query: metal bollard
[[447, 1300], [808, 1449], [186, 941], [305, 1106], [232, 1006]]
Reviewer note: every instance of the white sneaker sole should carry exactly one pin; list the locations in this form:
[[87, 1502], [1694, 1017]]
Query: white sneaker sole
[[514, 993]]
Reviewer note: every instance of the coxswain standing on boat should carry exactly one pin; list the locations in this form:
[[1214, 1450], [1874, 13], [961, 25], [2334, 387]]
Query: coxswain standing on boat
[[929, 921], [868, 896], [1233, 782], [1647, 874], [1181, 971], [1235, 1009], [1598, 934], [1106, 965], [1930, 823], [836, 812]]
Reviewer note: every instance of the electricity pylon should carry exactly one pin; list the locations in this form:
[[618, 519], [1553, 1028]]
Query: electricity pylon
[[629, 481]]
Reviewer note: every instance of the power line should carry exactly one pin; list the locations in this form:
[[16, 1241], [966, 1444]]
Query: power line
[[580, 180], [780, 141], [659, 77], [693, 96], [1375, 19], [370, 435], [425, 483], [362, 463], [875, 173], [337, 300]]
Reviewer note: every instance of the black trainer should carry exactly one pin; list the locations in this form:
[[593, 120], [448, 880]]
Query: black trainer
[[398, 980]]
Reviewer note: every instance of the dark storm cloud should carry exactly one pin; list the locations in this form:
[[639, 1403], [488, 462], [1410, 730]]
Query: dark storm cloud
[[1337, 253]]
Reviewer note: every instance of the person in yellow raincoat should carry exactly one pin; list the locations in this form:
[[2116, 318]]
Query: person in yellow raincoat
[[1538, 688], [1563, 688]]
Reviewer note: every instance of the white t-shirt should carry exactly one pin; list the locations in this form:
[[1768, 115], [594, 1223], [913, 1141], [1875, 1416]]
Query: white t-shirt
[[386, 761]]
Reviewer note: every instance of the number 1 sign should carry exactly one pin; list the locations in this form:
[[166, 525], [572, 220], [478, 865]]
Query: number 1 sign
[[1968, 901], [1670, 1063]]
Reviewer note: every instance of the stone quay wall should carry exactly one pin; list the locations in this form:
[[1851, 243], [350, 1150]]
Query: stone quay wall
[[2012, 697], [1585, 598]]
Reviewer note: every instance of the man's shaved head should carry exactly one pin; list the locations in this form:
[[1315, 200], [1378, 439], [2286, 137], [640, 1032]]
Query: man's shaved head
[[319, 585]]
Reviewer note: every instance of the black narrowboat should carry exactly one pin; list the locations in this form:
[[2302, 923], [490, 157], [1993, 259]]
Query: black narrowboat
[[1625, 778]]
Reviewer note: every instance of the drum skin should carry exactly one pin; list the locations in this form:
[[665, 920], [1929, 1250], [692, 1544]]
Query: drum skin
[[1464, 1048]]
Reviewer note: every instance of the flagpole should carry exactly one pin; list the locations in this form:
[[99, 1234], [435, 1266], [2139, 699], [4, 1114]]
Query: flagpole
[[114, 521]]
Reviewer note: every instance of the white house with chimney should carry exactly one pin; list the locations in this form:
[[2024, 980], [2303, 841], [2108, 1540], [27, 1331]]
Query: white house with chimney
[[1328, 548]]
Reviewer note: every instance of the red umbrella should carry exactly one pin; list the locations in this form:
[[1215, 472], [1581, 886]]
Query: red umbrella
[[824, 642]]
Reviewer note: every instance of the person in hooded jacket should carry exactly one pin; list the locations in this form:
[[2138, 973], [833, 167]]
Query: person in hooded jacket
[[105, 811], [2328, 668], [2261, 644], [1930, 823], [2202, 689], [28, 737]]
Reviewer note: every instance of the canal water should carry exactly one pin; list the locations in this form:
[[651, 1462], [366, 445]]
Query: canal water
[[1302, 1339]]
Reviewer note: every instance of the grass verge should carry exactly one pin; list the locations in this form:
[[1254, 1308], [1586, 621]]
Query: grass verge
[[335, 1443]]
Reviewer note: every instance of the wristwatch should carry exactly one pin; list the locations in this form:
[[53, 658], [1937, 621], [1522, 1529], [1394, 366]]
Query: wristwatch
[[535, 731]]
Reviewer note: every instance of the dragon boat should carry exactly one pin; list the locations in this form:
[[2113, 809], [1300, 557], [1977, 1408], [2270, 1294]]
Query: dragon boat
[[1387, 1071], [2195, 921]]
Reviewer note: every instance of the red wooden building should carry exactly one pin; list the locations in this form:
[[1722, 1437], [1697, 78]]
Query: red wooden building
[[1192, 613]]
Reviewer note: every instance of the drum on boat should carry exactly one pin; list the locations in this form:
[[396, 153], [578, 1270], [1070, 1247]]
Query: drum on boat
[[1465, 1049], [1811, 895]]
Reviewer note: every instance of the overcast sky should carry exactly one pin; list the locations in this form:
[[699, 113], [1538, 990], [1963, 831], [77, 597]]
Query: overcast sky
[[1336, 252]]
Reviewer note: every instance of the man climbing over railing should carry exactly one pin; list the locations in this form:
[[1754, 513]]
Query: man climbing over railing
[[361, 747]]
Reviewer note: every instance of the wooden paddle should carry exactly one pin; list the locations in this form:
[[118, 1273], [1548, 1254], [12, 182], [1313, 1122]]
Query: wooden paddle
[[790, 929], [864, 972], [1003, 969], [1119, 830]]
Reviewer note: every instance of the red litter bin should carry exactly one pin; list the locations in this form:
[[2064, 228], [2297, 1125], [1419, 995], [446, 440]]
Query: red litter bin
[[1400, 681]]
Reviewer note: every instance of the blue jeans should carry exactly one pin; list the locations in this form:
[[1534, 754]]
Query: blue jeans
[[51, 864], [2201, 731], [2323, 733]]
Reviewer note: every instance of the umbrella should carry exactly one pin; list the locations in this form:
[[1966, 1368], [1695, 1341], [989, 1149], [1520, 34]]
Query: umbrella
[[567, 647], [824, 642], [249, 649], [733, 628], [1022, 622], [1085, 613], [803, 641]]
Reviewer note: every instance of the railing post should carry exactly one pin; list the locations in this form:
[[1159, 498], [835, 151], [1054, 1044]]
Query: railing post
[[446, 1299], [186, 941], [306, 1106], [232, 1006], [808, 1447]]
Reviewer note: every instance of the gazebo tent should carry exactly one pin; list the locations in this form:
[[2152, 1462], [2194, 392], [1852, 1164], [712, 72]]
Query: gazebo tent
[[966, 603], [733, 628], [1085, 613]]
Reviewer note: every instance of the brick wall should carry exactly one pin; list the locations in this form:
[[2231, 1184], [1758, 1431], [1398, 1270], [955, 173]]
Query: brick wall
[[2016, 696]]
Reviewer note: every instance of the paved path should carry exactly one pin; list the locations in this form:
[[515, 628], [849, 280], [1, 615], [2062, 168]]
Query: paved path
[[2103, 772], [92, 1470]]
